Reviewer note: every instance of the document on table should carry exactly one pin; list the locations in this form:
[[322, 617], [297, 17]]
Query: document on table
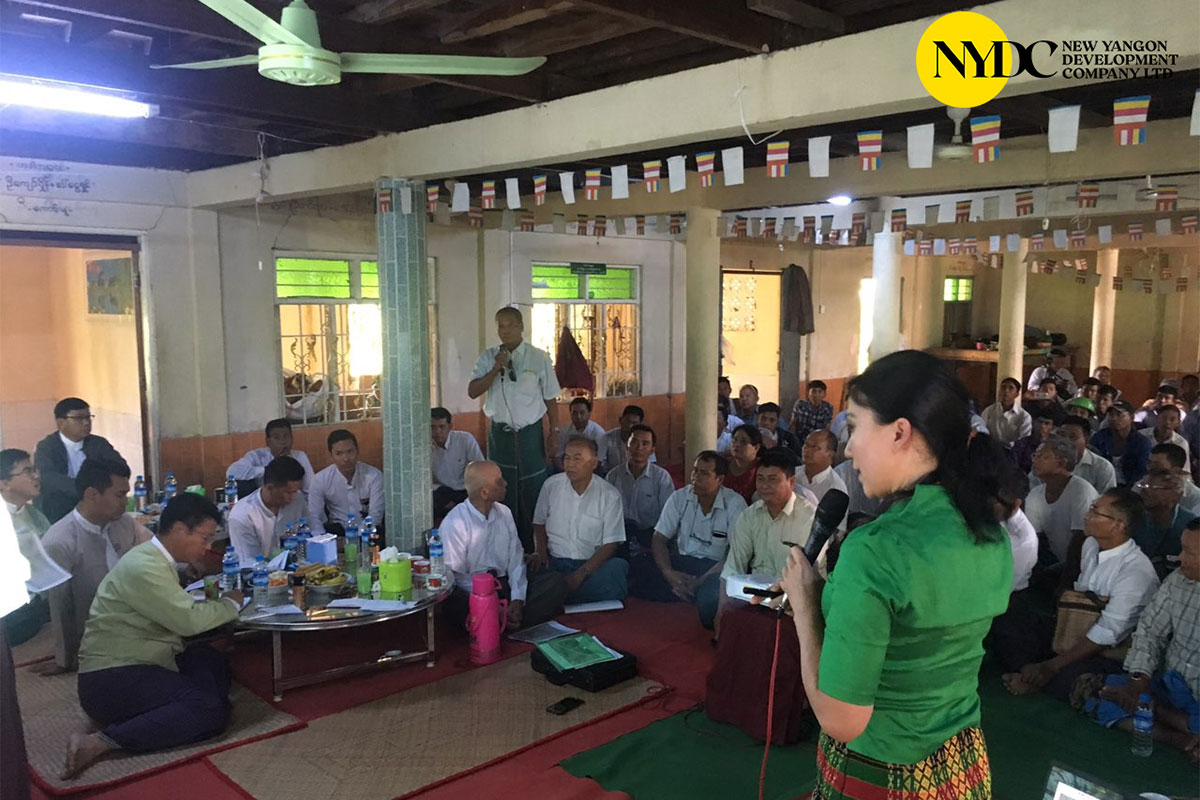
[[274, 611], [542, 633], [599, 605], [366, 604]]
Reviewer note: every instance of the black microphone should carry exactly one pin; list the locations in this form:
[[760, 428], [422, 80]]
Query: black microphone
[[830, 512]]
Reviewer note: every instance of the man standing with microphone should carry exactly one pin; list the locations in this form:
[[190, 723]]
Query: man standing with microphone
[[521, 391]]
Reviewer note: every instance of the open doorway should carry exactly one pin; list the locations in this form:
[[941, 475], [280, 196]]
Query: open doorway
[[750, 331], [69, 327]]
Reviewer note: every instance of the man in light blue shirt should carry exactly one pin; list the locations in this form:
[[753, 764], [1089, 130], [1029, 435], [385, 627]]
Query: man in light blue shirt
[[644, 487]]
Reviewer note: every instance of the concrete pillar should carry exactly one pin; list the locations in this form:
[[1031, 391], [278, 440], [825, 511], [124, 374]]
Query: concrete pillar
[[1012, 316], [789, 361], [404, 295], [885, 274], [1104, 307], [703, 325]]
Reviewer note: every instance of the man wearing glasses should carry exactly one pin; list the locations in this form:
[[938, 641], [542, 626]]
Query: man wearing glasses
[[59, 456], [1159, 535]]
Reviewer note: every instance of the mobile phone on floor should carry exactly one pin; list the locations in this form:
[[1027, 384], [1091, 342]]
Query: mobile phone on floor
[[563, 706]]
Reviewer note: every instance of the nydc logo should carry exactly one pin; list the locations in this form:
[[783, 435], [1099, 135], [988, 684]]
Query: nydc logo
[[964, 59]]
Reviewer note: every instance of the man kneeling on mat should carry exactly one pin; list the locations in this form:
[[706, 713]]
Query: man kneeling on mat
[[136, 679]]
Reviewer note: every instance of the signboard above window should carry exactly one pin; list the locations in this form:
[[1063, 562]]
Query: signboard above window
[[583, 282]]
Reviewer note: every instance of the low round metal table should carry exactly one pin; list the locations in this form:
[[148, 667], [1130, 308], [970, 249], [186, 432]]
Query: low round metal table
[[328, 619]]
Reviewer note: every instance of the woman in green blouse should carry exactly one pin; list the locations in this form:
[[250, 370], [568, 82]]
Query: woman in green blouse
[[891, 644]]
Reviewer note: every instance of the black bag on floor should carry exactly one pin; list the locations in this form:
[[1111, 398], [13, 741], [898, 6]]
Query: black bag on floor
[[590, 679]]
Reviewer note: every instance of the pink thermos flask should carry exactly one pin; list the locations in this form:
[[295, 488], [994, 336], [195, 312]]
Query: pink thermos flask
[[486, 619]]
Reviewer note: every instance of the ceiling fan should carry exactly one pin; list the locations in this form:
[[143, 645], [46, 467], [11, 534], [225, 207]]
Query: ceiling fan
[[292, 51], [1150, 192], [955, 150]]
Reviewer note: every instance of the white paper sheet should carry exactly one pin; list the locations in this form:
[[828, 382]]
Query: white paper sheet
[[994, 243], [1013, 242], [818, 157], [542, 633], [1105, 234], [566, 184], [599, 605], [1063, 131], [620, 182], [460, 201], [1194, 129], [920, 146], [405, 199], [677, 173], [1163, 226], [1060, 239], [512, 192], [733, 171]]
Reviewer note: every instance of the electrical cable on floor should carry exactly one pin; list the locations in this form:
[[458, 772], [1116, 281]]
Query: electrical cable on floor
[[762, 772]]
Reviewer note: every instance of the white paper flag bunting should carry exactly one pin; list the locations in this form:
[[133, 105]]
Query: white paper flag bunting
[[842, 218], [1105, 234], [405, 199], [1060, 239], [508, 220], [1194, 130], [945, 211], [994, 243], [1014, 242], [619, 224], [910, 247], [780, 223], [934, 213], [559, 223], [1163, 226], [1008, 205], [512, 193], [939, 247], [790, 230], [677, 173], [620, 182], [566, 184], [976, 208], [818, 157], [916, 215], [755, 227], [660, 222], [920, 146], [460, 203], [991, 207], [1064, 129], [732, 170]]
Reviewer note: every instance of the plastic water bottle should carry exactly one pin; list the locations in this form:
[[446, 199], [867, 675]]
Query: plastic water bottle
[[231, 570], [139, 494], [290, 543], [371, 536], [171, 487], [303, 534], [437, 554], [231, 492], [1143, 728], [350, 549], [364, 578], [260, 581]]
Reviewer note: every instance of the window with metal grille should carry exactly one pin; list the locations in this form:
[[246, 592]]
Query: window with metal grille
[[957, 290], [599, 305]]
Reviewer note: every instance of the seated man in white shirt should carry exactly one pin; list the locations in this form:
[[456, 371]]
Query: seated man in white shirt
[[1092, 468], [345, 487], [578, 528], [249, 468], [1056, 507], [1006, 421], [1166, 430], [449, 453], [480, 536], [690, 540], [644, 488], [258, 521], [613, 445], [582, 424], [817, 474], [1111, 566]]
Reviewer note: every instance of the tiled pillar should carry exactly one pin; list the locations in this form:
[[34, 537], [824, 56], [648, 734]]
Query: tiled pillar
[[404, 294], [703, 327], [1013, 281]]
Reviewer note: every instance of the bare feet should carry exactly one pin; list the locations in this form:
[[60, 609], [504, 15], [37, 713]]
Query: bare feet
[[83, 751], [1016, 684], [48, 668]]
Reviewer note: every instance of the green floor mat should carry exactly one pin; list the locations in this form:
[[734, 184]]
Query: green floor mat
[[689, 756]]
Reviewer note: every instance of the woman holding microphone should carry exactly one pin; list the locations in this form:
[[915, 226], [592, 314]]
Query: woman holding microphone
[[891, 645]]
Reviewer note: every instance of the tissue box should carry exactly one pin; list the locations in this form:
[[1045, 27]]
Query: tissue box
[[735, 585], [322, 549]]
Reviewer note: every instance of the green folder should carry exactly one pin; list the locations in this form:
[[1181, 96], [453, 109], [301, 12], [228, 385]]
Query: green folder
[[575, 652]]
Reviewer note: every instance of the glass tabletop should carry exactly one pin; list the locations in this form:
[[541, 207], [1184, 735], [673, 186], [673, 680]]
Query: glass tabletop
[[324, 618]]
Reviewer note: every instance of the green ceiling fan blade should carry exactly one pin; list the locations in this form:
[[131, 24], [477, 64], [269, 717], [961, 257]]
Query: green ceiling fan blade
[[404, 64], [238, 61], [256, 23]]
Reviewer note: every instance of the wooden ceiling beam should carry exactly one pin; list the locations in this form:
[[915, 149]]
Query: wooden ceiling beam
[[548, 37], [500, 18], [634, 46], [723, 22], [797, 12], [381, 12]]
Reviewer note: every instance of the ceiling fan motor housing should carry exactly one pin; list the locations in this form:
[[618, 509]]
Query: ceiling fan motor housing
[[300, 65]]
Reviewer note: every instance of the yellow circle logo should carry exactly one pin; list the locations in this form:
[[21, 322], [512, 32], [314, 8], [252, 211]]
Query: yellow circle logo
[[963, 59]]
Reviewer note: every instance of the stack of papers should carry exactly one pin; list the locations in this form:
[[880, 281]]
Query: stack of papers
[[365, 604], [542, 633], [577, 651]]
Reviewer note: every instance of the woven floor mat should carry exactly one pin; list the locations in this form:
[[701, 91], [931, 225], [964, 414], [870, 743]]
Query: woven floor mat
[[39, 648], [50, 713], [405, 742]]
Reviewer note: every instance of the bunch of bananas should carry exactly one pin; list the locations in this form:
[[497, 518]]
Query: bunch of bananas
[[325, 575]]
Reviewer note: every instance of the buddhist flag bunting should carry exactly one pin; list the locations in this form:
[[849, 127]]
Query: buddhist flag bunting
[[527, 221], [1081, 277], [769, 228], [581, 225], [601, 226], [591, 184], [1063, 129], [488, 196], [899, 220], [620, 182], [1129, 119], [1147, 285], [383, 199], [985, 138], [1135, 231], [954, 246], [512, 193], [1188, 224], [1118, 283], [705, 163], [970, 245], [639, 224], [870, 146], [675, 224], [810, 229], [858, 225], [1037, 241], [1025, 203], [475, 216], [777, 159], [566, 185], [651, 174], [733, 172], [1087, 195], [1167, 198], [1078, 238], [962, 211], [1081, 264], [739, 227], [1181, 284], [925, 247], [539, 190], [431, 198]]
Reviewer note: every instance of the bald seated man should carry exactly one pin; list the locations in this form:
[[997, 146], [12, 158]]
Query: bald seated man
[[480, 535]]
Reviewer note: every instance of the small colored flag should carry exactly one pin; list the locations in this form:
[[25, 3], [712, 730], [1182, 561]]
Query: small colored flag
[[675, 224], [651, 173], [810, 229], [705, 162], [777, 159], [1181, 284], [1135, 231], [1129, 119], [1087, 195], [985, 138], [924, 247], [1078, 238], [1081, 264], [970, 245], [1037, 241], [384, 198], [1025, 203], [870, 146], [539, 189], [475, 216], [1167, 198], [1188, 224], [954, 246], [488, 195], [639, 224], [858, 225], [591, 184], [1118, 283], [899, 220], [1049, 266], [600, 228], [1147, 285], [739, 227], [962, 211], [431, 198], [769, 228], [581, 225], [527, 221]]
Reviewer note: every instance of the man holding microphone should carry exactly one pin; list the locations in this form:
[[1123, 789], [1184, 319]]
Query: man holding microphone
[[521, 391]]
